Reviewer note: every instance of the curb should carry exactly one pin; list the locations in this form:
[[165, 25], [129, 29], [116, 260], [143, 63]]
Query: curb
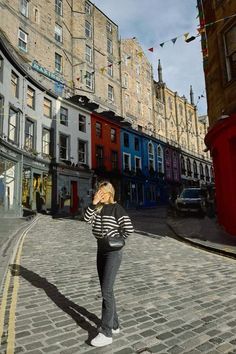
[[200, 245]]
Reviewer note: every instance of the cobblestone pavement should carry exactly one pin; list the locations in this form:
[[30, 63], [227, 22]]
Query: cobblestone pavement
[[171, 298]]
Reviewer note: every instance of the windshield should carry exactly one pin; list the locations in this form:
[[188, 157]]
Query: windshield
[[191, 193]]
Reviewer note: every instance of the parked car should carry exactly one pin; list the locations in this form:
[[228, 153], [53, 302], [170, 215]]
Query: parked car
[[191, 200]]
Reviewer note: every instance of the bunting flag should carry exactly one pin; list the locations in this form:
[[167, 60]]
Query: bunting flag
[[151, 49], [186, 35], [140, 54], [190, 39], [110, 65], [119, 62], [201, 30], [173, 40], [78, 78], [102, 70], [162, 44], [128, 57]]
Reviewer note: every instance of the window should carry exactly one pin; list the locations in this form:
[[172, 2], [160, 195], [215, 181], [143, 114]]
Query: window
[[1, 68], [1, 113], [98, 129], [13, 126], [109, 27], [99, 156], [82, 123], [138, 88], [64, 147], [126, 140], [14, 84], [230, 53], [29, 135], [189, 168], [195, 169], [88, 29], [110, 93], [89, 80], [30, 97], [82, 151], [159, 151], [87, 8], [126, 162], [58, 7], [110, 68], [58, 62], [113, 135], [137, 163], [109, 46], [24, 7], [47, 108], [114, 160], [46, 142], [151, 156], [207, 173], [140, 128], [88, 54], [183, 169], [58, 33], [22, 40], [64, 116], [36, 15], [126, 80], [136, 144], [126, 102]]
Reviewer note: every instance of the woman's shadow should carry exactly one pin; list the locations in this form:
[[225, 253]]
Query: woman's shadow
[[77, 313]]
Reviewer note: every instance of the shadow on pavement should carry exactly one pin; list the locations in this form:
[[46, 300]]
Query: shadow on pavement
[[76, 312]]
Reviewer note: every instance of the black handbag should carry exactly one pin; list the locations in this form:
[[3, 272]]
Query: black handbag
[[113, 237]]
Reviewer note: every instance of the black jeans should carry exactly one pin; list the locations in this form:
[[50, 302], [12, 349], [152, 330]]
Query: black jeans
[[108, 264]]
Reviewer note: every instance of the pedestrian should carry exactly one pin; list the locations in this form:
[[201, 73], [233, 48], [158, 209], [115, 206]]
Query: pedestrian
[[105, 214]]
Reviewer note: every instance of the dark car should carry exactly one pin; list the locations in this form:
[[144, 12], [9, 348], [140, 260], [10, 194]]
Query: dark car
[[191, 200]]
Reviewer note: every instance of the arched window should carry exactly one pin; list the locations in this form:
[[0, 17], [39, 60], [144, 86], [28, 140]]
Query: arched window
[[183, 169], [189, 168], [201, 171], [160, 162], [151, 162], [207, 173], [195, 169]]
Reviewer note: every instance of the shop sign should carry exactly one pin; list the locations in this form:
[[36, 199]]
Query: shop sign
[[37, 67]]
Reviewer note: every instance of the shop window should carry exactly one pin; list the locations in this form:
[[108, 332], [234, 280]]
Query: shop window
[[58, 33], [98, 129], [14, 84], [230, 52], [46, 141], [82, 123], [113, 135], [22, 40], [30, 97], [58, 7], [99, 156], [64, 116], [151, 162], [29, 135], [47, 108], [82, 152], [64, 147], [114, 160], [88, 29], [13, 126], [137, 163]]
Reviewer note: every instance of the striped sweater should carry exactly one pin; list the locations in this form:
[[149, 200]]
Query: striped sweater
[[112, 216]]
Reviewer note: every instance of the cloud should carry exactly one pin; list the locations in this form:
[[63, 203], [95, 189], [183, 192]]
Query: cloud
[[156, 21]]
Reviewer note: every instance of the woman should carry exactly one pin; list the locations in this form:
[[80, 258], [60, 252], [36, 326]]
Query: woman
[[105, 214]]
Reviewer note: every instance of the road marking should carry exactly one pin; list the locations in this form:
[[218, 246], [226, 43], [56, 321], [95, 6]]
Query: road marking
[[11, 321]]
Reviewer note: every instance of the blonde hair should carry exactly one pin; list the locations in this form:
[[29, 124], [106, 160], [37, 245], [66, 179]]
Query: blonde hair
[[107, 187]]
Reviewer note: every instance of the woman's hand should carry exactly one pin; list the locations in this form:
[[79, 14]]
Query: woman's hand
[[98, 197]]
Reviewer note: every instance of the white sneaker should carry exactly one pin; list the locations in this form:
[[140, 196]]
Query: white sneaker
[[101, 340], [116, 331]]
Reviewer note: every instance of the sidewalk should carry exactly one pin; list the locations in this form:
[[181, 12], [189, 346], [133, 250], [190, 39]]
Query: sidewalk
[[202, 232]]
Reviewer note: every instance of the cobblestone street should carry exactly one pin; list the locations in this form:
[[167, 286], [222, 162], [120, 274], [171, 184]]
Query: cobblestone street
[[171, 298]]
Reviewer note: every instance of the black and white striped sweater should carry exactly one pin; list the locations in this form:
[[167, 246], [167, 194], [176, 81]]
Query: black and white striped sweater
[[112, 216]]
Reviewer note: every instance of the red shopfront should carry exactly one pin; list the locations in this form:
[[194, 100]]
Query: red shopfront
[[221, 139]]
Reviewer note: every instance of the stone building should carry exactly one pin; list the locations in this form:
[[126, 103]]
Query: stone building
[[72, 40]]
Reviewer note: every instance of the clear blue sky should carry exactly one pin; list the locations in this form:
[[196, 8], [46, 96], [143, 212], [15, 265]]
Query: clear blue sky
[[155, 21]]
